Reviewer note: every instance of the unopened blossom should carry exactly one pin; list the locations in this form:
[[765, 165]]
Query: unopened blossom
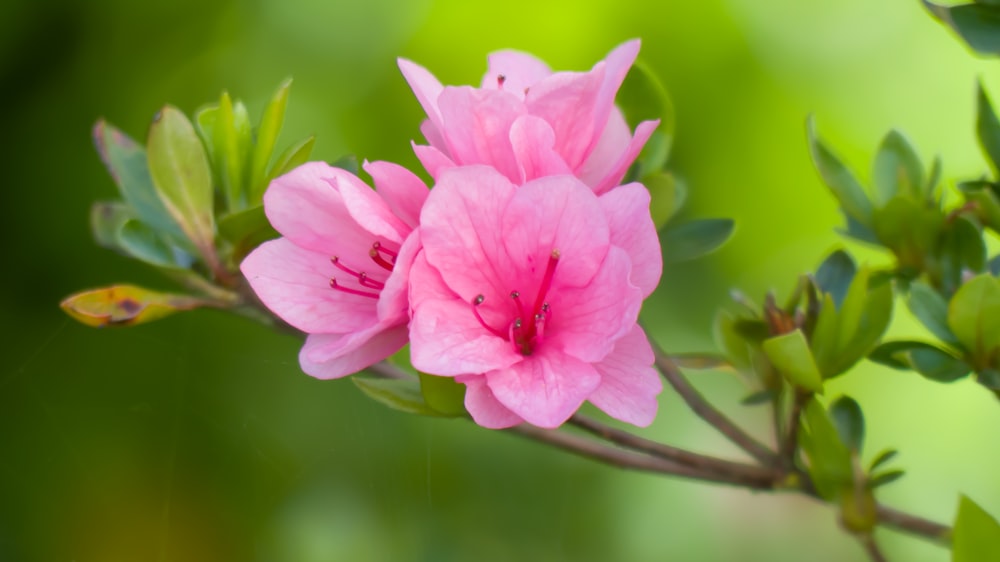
[[339, 271], [530, 295], [528, 122]]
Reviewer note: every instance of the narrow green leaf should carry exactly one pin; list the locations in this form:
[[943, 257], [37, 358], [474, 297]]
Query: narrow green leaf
[[829, 459], [443, 394], [695, 239], [882, 458], [976, 24], [760, 397], [897, 170], [399, 394], [181, 174], [835, 274], [937, 365], [267, 138], [230, 129], [895, 354], [292, 157], [839, 179], [933, 177], [850, 422], [976, 536], [931, 309], [824, 342], [791, 356], [125, 305], [883, 478], [974, 315]]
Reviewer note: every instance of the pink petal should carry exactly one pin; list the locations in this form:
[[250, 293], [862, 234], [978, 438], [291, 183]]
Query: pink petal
[[393, 303], [555, 213], [519, 70], [294, 283], [445, 337], [617, 64], [476, 127], [400, 188], [567, 100], [425, 87], [484, 408], [460, 229], [615, 174], [586, 321], [546, 388], [632, 229], [432, 159], [629, 383], [613, 141], [330, 356], [368, 209], [433, 135], [532, 140]]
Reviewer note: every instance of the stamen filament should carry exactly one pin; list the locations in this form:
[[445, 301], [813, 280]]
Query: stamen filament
[[550, 270], [335, 260], [377, 246], [377, 258], [339, 287], [475, 310], [366, 281]]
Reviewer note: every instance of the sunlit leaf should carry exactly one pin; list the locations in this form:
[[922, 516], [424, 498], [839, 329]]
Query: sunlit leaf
[[883, 478], [897, 170], [125, 305], [976, 536], [882, 458], [974, 315], [839, 179], [790, 354], [292, 157], [829, 459], [977, 24], [267, 137]]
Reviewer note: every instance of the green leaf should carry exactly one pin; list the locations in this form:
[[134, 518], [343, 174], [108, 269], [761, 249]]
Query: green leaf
[[882, 458], [910, 229], [695, 239], [976, 24], [976, 536], [829, 459], [858, 231], [267, 138], [642, 97], [760, 397], [143, 243], [933, 177], [292, 157], [181, 174], [983, 195], [839, 179], [246, 230], [653, 157], [990, 378], [895, 354], [667, 195], [897, 170], [125, 305], [883, 478], [231, 139], [399, 394], [443, 394], [931, 309], [937, 365], [730, 341], [791, 356], [861, 321], [974, 315], [835, 274], [962, 250], [126, 162], [347, 162], [849, 421], [106, 221]]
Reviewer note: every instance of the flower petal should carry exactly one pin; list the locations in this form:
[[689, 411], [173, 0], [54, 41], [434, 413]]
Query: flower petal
[[519, 70], [607, 151], [432, 159], [546, 388], [555, 213], [532, 140], [368, 209], [294, 283], [617, 64], [330, 356], [400, 188], [393, 303], [615, 174], [445, 337], [629, 383], [586, 321], [484, 408], [476, 127], [567, 100], [632, 229], [425, 87]]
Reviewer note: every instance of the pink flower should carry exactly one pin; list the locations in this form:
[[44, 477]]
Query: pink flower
[[529, 296], [527, 122], [340, 270]]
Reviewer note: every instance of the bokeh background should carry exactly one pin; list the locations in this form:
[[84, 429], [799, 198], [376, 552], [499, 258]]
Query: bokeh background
[[197, 438]]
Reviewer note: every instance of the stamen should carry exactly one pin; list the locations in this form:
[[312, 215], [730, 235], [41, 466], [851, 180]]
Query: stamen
[[339, 287], [500, 80], [377, 246], [539, 328], [365, 281], [335, 260], [377, 258], [550, 270], [475, 310], [516, 295]]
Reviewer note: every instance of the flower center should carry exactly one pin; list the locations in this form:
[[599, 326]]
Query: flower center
[[366, 286], [527, 329]]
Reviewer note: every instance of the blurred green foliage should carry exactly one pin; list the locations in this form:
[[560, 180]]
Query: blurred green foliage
[[197, 438]]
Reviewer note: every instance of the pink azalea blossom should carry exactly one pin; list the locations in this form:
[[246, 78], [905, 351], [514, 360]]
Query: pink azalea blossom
[[528, 122], [339, 272], [529, 296]]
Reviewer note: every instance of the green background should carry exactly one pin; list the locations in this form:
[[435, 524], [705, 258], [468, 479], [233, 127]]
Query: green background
[[197, 438]]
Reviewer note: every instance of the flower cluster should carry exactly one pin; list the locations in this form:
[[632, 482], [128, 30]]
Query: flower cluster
[[520, 274]]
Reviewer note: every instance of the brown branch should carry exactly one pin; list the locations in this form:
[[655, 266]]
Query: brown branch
[[707, 412], [871, 547], [912, 524], [790, 443]]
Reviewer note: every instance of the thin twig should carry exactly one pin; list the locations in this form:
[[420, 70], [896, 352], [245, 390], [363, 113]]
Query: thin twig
[[789, 445], [707, 412], [871, 547], [913, 524]]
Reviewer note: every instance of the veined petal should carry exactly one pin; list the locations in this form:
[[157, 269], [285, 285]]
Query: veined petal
[[446, 339], [567, 101], [400, 188], [587, 321], [425, 87], [476, 126], [629, 383], [294, 283], [533, 140], [607, 151], [484, 408], [555, 213], [617, 64], [368, 209], [330, 356], [546, 388], [632, 229], [393, 303], [615, 174], [519, 71], [432, 159]]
